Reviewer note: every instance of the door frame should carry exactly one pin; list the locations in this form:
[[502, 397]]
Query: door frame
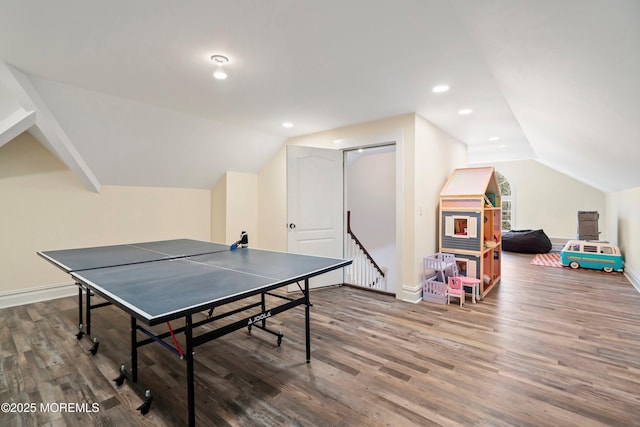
[[392, 260], [395, 137]]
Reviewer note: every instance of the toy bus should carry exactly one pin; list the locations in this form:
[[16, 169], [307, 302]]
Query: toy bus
[[591, 254]]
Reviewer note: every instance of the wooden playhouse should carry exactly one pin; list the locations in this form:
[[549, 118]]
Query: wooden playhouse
[[470, 224]]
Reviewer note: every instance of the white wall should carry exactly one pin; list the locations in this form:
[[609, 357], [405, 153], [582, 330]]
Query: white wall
[[545, 198], [45, 207], [370, 195], [160, 141], [623, 228]]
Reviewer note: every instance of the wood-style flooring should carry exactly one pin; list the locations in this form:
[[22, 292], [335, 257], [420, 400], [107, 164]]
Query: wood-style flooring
[[547, 347]]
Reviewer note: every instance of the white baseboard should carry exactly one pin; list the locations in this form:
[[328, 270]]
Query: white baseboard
[[633, 277], [557, 243], [29, 296], [412, 294]]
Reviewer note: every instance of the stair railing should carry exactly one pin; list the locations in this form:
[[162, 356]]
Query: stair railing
[[364, 271]]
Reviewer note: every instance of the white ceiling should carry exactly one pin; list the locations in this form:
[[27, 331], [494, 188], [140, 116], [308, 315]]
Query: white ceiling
[[130, 82]]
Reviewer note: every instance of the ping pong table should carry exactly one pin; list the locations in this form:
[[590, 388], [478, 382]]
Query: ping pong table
[[156, 282]]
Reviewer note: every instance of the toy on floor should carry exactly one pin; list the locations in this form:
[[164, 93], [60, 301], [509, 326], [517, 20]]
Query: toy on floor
[[592, 254]]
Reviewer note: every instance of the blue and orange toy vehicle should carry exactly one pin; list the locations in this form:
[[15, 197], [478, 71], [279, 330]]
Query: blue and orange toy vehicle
[[592, 254]]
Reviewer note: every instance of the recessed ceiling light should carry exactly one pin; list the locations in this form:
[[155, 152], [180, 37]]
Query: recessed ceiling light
[[287, 125], [220, 74], [465, 111], [219, 60], [440, 89], [494, 138]]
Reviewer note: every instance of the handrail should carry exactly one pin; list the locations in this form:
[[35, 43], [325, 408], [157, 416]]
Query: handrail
[[360, 245]]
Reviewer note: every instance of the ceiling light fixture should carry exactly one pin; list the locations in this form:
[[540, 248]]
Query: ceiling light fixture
[[465, 111], [219, 60], [440, 89], [287, 125], [493, 138]]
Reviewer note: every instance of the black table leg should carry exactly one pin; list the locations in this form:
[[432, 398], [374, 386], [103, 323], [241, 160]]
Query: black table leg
[[87, 326], [134, 350], [190, 379], [80, 333], [306, 318], [264, 308]]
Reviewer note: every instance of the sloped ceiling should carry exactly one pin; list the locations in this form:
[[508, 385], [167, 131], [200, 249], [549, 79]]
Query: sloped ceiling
[[130, 83], [11, 112]]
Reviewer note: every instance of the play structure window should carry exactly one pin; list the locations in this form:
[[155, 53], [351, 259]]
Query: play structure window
[[461, 226], [466, 267], [462, 267]]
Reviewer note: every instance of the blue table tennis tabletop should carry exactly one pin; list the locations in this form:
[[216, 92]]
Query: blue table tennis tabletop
[[156, 282], [71, 260], [164, 280]]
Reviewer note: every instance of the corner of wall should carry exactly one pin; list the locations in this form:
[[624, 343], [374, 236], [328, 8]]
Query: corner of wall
[[219, 210], [623, 229], [242, 206], [412, 294], [634, 278], [272, 202]]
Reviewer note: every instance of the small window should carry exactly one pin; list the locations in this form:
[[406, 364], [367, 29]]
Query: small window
[[462, 266], [591, 248], [606, 250], [460, 226], [507, 197], [575, 248]]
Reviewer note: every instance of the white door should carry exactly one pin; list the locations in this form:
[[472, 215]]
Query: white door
[[315, 206]]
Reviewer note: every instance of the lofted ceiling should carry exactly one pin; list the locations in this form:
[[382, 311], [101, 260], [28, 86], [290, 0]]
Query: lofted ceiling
[[123, 91]]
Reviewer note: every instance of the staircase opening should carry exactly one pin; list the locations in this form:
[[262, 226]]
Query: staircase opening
[[370, 200]]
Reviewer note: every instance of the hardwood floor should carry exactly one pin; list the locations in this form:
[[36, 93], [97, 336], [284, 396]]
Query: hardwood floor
[[547, 347]]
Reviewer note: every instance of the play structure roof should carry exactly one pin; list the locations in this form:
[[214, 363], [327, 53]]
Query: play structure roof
[[471, 182]]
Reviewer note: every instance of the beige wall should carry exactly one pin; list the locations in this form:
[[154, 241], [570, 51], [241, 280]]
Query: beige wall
[[272, 179], [44, 207], [272, 203], [242, 207], [547, 199], [437, 155], [234, 208], [426, 156], [219, 211], [623, 228]]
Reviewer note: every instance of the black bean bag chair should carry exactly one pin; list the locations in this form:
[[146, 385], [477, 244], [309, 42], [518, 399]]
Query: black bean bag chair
[[526, 242]]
